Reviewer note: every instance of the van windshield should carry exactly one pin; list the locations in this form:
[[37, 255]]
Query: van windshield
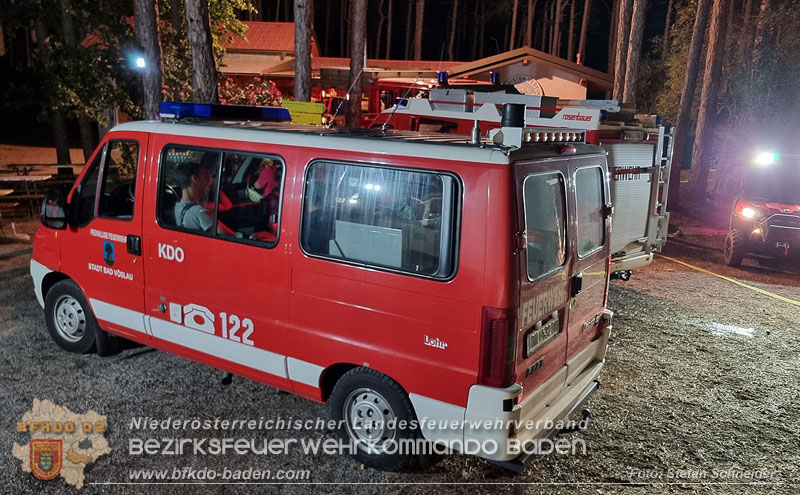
[[779, 184]]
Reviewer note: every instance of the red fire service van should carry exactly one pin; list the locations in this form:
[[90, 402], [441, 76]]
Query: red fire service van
[[444, 289]]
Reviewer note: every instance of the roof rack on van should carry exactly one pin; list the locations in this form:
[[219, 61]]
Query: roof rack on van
[[190, 110]]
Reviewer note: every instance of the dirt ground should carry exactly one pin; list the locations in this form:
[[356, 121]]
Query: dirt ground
[[700, 387]]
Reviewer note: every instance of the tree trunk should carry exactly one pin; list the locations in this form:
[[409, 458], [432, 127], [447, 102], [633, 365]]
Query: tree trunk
[[87, 136], [621, 51], [418, 30], [71, 41], [57, 118], [683, 122], [204, 70], [327, 27], [556, 43], [707, 115], [358, 33], [409, 16], [545, 26], [146, 18], [482, 37], [551, 16], [60, 135], [529, 23], [344, 29], [747, 25], [667, 26], [758, 42], [587, 5], [302, 51], [612, 37], [451, 43], [389, 32], [379, 35], [571, 32], [634, 51], [2, 43], [513, 24]]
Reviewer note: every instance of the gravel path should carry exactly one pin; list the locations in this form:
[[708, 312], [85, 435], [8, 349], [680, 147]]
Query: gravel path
[[701, 378]]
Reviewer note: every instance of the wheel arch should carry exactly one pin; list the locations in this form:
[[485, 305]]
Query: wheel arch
[[331, 375], [50, 280]]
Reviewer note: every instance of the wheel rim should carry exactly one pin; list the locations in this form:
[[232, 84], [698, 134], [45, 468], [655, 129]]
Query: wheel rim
[[369, 419], [69, 319]]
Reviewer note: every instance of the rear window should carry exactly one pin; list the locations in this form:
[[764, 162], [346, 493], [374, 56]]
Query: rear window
[[591, 222], [544, 197], [387, 218]]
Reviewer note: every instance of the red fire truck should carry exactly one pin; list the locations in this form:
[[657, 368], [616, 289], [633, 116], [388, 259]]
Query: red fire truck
[[639, 153], [428, 287]]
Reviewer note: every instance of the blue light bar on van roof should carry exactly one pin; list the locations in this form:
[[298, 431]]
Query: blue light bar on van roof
[[182, 110]]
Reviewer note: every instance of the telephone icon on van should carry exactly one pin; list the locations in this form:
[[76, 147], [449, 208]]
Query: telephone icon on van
[[199, 318]]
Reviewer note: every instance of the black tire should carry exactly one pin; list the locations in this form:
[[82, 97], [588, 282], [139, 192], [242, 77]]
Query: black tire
[[735, 248], [368, 394], [70, 321]]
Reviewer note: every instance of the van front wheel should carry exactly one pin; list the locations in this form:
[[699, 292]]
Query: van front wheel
[[68, 317], [374, 413]]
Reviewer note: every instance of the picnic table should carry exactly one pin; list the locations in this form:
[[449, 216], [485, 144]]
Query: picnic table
[[5, 192], [30, 198], [41, 168]]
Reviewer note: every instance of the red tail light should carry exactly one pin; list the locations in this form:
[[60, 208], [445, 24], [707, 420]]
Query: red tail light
[[498, 346]]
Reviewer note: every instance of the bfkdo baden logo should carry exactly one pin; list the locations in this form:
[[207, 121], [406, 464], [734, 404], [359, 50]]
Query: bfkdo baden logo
[[46, 458], [59, 442]]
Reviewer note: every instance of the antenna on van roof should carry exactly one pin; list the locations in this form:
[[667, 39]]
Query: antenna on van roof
[[397, 104], [347, 96]]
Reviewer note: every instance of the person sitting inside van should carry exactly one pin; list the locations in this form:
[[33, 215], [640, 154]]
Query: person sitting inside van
[[195, 181]]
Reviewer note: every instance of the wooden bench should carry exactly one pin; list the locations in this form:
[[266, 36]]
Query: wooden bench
[[7, 207], [31, 201]]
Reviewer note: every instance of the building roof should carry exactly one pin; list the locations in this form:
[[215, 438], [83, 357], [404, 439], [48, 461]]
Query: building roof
[[268, 37], [597, 81], [385, 67]]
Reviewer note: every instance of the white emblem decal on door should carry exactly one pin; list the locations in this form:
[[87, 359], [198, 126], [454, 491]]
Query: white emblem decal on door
[[199, 318]]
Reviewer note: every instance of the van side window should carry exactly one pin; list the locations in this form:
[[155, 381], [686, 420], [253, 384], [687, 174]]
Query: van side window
[[251, 196], [389, 218], [87, 190], [220, 193], [591, 223], [544, 197], [118, 187]]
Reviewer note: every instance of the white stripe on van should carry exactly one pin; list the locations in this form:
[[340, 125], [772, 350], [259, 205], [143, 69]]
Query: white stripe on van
[[252, 357], [118, 315], [304, 372]]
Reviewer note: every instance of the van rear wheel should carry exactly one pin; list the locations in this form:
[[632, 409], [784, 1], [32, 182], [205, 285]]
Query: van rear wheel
[[69, 319], [374, 413]]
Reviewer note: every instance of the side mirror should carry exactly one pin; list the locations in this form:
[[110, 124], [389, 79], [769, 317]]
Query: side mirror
[[54, 208]]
